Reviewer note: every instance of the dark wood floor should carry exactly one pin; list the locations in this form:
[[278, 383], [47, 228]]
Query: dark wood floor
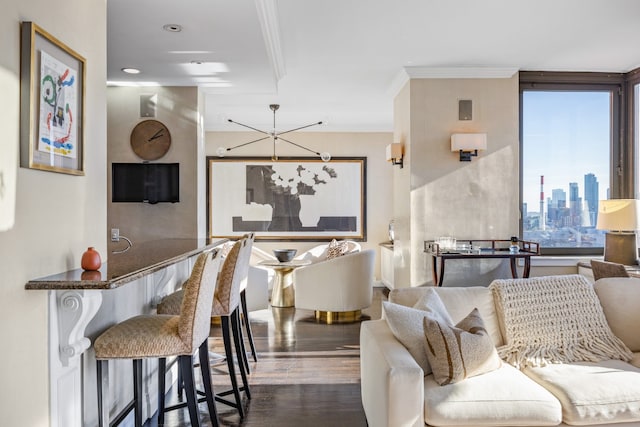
[[307, 374]]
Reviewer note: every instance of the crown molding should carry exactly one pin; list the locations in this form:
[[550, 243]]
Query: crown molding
[[268, 17], [408, 73]]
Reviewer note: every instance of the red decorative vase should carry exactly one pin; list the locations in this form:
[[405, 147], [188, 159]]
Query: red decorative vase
[[91, 260]]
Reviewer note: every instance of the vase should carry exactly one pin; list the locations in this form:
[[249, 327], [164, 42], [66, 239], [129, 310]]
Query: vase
[[90, 260]]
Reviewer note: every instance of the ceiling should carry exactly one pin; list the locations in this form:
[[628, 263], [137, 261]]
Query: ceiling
[[343, 61]]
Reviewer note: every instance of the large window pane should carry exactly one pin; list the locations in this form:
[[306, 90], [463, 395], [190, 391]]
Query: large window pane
[[566, 143]]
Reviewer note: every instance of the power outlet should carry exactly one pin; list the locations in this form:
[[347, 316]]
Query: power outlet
[[115, 234]]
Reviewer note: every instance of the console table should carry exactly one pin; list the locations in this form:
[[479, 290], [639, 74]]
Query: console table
[[478, 249], [82, 304]]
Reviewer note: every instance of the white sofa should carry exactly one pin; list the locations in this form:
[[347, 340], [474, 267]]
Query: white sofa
[[396, 393]]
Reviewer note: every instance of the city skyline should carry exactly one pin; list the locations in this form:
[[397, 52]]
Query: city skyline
[[566, 135]]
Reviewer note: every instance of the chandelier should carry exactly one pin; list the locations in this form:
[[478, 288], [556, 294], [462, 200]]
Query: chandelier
[[275, 136]]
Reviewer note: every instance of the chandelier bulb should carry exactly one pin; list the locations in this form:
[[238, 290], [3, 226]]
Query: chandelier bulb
[[221, 151], [325, 156]]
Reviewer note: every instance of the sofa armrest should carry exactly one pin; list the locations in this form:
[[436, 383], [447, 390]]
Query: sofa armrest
[[392, 383]]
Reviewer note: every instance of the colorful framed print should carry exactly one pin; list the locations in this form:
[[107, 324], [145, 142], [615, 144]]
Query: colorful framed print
[[52, 80]]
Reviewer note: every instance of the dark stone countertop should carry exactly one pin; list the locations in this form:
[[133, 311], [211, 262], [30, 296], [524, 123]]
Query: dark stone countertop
[[140, 260]]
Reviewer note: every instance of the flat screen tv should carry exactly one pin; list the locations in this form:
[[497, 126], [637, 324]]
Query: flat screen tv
[[145, 182]]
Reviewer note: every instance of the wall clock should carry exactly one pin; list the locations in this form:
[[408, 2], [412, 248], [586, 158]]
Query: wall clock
[[150, 139]]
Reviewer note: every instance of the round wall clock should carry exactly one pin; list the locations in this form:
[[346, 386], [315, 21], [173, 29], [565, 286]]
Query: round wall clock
[[150, 139]]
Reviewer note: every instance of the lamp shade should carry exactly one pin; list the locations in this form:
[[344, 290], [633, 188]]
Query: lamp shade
[[468, 141], [618, 215]]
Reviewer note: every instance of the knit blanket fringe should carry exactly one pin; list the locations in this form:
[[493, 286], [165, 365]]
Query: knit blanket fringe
[[553, 319]]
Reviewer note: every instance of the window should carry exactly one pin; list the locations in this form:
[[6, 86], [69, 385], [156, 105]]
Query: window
[[570, 158]]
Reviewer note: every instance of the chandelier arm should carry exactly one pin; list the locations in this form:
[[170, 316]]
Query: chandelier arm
[[301, 127], [250, 127], [299, 146], [247, 143]]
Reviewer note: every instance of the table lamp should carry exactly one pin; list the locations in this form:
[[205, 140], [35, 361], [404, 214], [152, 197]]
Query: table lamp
[[621, 217]]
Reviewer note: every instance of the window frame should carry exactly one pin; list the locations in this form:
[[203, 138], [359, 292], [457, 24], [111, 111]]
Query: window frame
[[621, 171]]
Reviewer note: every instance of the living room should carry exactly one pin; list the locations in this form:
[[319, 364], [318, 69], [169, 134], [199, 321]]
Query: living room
[[49, 219]]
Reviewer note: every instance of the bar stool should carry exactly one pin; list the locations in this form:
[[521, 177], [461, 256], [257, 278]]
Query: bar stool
[[243, 304], [226, 306], [161, 336]]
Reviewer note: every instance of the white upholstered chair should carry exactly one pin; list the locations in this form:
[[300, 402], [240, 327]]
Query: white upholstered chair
[[336, 289]]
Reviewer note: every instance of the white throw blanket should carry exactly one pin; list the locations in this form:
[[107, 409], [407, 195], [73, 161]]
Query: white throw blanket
[[553, 319]]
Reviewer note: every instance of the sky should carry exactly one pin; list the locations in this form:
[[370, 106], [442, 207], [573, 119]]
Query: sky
[[565, 137]]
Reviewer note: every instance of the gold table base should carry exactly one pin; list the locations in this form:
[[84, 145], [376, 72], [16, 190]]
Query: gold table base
[[330, 317], [283, 293]]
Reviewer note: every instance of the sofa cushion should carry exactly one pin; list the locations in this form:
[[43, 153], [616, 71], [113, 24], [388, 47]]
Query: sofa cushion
[[504, 397], [635, 360], [458, 302], [406, 324], [620, 299], [461, 351], [593, 392]]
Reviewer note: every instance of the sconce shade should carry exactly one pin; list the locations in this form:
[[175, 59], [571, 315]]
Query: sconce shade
[[468, 144], [394, 153], [468, 141], [618, 215]]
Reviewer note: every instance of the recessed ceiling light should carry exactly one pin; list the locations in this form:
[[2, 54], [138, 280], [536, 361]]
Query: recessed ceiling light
[[131, 70], [172, 28]]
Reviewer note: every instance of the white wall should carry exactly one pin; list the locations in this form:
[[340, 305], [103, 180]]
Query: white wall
[[345, 144], [57, 216]]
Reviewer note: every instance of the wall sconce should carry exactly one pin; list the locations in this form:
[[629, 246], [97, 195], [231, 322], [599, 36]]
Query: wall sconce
[[394, 153], [621, 217], [468, 144]]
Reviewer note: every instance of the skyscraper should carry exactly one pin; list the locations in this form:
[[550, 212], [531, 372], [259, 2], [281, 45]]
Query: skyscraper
[[591, 197]]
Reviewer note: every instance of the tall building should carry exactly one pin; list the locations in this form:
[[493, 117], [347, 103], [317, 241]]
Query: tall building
[[575, 205], [591, 197]]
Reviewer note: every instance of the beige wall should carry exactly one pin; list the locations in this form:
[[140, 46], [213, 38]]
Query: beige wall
[[370, 145], [471, 200], [177, 108], [57, 216], [402, 195]]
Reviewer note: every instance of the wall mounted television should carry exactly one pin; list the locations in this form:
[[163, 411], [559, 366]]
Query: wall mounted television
[[145, 182]]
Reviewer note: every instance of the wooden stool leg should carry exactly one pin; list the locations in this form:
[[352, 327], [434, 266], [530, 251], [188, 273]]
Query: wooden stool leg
[[137, 391], [186, 366], [242, 355], [102, 370], [247, 324], [205, 370], [232, 371], [162, 372]]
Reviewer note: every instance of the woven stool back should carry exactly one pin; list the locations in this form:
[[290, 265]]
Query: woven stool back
[[226, 298], [195, 312]]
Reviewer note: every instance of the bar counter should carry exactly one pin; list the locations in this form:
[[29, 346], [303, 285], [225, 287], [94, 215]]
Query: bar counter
[[83, 304], [140, 260]]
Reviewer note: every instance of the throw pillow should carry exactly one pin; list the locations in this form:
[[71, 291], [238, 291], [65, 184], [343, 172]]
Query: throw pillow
[[461, 351], [337, 249], [406, 324]]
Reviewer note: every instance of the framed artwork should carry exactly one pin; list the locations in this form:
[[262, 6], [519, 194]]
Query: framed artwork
[[289, 199], [52, 80]]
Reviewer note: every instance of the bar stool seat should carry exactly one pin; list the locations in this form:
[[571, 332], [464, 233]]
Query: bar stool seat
[[161, 336]]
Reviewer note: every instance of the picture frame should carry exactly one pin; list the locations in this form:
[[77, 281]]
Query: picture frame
[[288, 199], [52, 86]]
